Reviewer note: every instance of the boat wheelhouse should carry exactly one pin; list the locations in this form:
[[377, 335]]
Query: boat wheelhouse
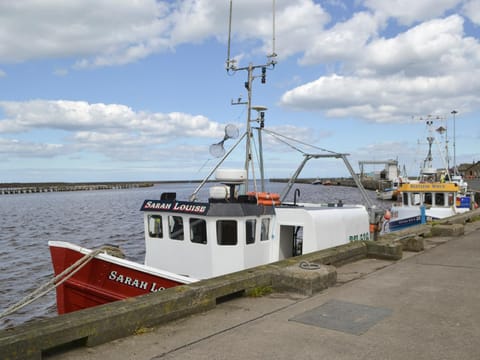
[[231, 234]]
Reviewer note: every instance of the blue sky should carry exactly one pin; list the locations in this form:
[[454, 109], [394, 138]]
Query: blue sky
[[104, 90]]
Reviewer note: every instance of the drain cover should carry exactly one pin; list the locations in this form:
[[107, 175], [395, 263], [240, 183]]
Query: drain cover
[[343, 316]]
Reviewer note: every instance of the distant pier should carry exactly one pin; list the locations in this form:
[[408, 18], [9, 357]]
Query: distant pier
[[369, 184], [30, 188]]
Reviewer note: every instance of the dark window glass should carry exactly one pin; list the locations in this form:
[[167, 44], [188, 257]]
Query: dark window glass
[[227, 232], [198, 231], [439, 199], [250, 226], [155, 226], [265, 230], [175, 226]]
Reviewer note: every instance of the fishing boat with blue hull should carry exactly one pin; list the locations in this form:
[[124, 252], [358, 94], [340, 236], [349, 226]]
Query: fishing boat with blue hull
[[418, 203], [239, 226], [436, 195]]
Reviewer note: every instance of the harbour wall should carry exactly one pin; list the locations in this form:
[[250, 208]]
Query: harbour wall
[[30, 188], [307, 274]]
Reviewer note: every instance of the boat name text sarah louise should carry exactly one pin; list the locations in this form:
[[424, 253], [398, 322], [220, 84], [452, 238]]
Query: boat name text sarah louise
[[175, 206], [140, 284]]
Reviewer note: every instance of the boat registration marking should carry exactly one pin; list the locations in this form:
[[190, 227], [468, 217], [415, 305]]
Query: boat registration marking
[[359, 237]]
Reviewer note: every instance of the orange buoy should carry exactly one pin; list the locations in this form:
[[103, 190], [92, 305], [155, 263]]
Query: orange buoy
[[266, 198], [268, 202]]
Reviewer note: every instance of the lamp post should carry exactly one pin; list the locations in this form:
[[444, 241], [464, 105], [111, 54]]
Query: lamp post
[[454, 112]]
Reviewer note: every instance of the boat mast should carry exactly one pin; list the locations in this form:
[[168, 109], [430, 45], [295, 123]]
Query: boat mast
[[455, 172], [231, 67], [428, 171]]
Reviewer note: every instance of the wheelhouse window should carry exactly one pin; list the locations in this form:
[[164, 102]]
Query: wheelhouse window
[[265, 229], [450, 199], [227, 232], [155, 226], [198, 231], [428, 199], [416, 199], [439, 199], [250, 226], [175, 227]]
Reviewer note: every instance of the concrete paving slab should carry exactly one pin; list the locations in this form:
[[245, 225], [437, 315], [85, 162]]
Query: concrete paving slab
[[343, 316]]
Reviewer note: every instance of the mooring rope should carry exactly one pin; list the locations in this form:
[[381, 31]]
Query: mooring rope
[[53, 283]]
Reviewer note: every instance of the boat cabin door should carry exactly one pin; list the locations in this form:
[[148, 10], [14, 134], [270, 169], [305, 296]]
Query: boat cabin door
[[290, 241]]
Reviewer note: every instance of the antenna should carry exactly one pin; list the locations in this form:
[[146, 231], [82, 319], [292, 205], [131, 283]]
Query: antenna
[[273, 33], [230, 64], [251, 68]]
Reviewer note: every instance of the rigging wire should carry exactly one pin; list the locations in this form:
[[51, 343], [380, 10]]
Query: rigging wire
[[277, 135]]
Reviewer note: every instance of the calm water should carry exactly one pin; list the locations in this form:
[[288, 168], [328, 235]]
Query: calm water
[[90, 219]]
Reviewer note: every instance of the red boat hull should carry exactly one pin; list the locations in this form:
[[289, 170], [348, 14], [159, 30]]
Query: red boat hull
[[100, 281]]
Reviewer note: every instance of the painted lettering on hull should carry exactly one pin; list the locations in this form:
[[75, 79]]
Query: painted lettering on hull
[[133, 282]]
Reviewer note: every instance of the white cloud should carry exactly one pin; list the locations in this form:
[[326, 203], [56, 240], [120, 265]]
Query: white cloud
[[110, 129], [26, 149], [43, 29], [430, 67], [408, 12], [343, 41], [386, 99], [2, 73], [80, 115], [471, 10], [433, 47], [107, 32]]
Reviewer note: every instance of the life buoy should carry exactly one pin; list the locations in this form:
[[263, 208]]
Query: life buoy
[[266, 198], [387, 215]]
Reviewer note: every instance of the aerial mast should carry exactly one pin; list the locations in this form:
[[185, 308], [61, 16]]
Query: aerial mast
[[232, 67]]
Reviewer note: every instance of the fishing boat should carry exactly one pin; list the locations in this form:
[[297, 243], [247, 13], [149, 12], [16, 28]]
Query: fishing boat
[[421, 202], [241, 225], [435, 195], [385, 193]]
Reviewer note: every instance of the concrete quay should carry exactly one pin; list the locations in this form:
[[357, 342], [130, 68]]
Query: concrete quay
[[367, 300]]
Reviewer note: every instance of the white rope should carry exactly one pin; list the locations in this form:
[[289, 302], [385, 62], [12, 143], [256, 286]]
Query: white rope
[[52, 284]]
